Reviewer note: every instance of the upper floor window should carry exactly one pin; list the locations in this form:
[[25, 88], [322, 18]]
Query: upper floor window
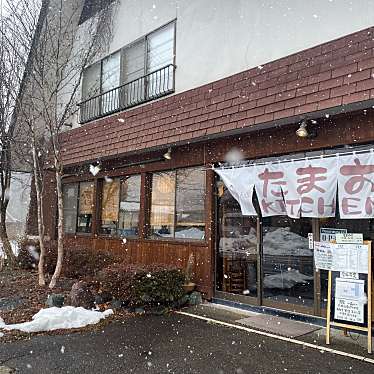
[[177, 204], [141, 71]]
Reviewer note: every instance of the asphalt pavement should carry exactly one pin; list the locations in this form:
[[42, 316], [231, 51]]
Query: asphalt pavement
[[170, 344]]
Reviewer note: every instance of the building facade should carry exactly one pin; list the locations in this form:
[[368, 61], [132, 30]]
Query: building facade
[[186, 86]]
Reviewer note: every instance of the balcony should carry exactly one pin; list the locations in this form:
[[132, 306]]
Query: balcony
[[141, 90]]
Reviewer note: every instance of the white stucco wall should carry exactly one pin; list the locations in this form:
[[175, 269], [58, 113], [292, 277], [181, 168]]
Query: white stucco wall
[[217, 38]]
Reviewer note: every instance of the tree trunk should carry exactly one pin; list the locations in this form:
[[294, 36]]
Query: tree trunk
[[39, 199], [7, 248], [60, 229]]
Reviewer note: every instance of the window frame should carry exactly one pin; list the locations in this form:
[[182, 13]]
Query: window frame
[[78, 186], [93, 215], [99, 200], [121, 52], [148, 232]]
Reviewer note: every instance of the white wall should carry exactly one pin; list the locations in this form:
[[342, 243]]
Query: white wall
[[217, 38]]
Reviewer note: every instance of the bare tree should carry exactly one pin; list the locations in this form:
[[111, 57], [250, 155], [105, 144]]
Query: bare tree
[[63, 50], [18, 20]]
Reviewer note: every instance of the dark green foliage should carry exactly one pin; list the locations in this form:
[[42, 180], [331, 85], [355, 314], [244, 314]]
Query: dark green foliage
[[141, 285]]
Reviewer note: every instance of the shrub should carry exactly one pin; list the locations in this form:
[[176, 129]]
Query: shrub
[[157, 286], [79, 263], [141, 285]]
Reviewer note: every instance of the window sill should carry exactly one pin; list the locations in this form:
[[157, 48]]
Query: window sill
[[192, 242]]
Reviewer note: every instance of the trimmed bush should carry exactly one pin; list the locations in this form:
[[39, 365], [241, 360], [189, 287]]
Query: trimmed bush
[[141, 285], [79, 262]]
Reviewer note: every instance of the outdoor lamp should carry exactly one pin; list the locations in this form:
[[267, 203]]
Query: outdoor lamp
[[302, 131], [167, 155]]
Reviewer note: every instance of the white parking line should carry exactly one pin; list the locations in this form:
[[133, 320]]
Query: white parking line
[[283, 338]]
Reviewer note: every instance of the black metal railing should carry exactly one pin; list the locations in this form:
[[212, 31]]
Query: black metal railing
[[148, 87]]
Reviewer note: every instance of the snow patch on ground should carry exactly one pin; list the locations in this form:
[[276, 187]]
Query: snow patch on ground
[[67, 317]]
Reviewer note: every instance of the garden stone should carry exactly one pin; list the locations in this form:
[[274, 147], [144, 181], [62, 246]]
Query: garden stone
[[99, 299], [117, 304], [159, 310], [81, 295], [180, 302], [195, 298], [139, 310], [56, 300], [10, 303]]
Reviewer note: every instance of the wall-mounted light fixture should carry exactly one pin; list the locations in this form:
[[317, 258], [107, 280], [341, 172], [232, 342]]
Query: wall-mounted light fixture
[[167, 155], [302, 131]]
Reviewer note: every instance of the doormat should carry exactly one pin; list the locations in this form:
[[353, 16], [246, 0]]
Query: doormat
[[278, 325]]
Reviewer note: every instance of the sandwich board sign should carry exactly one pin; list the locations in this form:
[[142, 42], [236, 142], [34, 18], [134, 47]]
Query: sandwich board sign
[[349, 285]]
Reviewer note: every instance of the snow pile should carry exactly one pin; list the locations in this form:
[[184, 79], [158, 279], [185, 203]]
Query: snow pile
[[286, 280], [283, 242], [276, 242], [67, 317]]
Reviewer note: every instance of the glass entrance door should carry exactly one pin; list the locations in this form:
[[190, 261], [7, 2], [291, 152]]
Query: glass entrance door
[[287, 264], [237, 251], [263, 260]]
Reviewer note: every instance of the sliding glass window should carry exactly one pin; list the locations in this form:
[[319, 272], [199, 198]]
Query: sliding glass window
[[129, 206], [190, 197], [85, 207], [177, 204], [109, 206], [120, 205], [163, 204], [70, 199]]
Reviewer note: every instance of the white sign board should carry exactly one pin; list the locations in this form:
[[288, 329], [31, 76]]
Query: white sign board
[[327, 234], [323, 255], [349, 310], [310, 240], [346, 238], [352, 289], [341, 257]]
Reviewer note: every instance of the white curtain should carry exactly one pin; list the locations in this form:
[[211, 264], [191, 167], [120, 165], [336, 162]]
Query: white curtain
[[307, 187]]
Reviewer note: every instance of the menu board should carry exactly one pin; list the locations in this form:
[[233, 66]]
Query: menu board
[[350, 300], [349, 285], [351, 258]]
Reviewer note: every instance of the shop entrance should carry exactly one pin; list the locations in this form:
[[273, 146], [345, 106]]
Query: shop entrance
[[263, 261], [267, 260]]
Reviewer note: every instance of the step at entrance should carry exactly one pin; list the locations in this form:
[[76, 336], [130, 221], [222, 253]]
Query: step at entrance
[[278, 325]]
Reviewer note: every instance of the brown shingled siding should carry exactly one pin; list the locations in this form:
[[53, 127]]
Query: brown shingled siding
[[336, 73]]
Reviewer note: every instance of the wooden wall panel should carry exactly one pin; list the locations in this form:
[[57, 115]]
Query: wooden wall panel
[[154, 252]]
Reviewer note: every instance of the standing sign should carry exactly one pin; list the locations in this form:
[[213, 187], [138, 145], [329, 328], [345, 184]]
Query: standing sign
[[350, 300], [348, 297]]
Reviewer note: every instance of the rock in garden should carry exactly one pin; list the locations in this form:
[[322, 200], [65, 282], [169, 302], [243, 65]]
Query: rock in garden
[[195, 298], [117, 304], [81, 295], [55, 300]]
